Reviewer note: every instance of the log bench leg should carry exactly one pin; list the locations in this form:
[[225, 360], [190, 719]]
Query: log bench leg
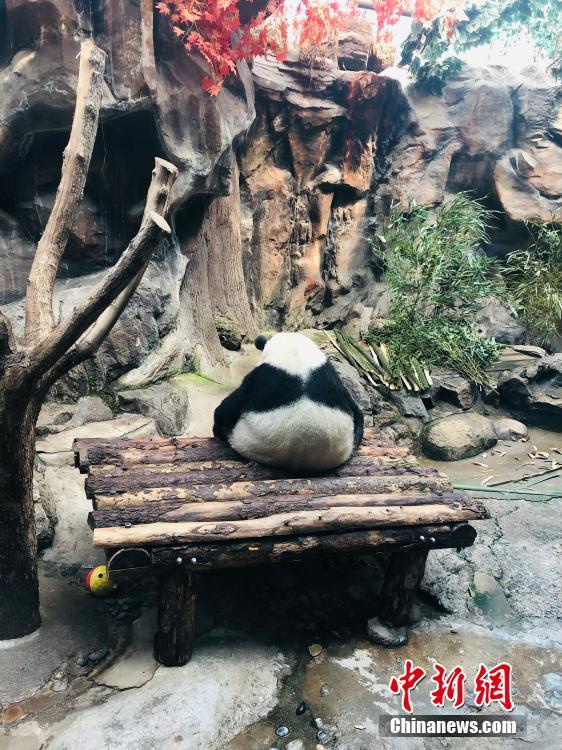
[[403, 576], [173, 641]]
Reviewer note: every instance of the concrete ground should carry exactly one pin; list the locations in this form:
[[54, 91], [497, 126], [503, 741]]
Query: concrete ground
[[87, 679]]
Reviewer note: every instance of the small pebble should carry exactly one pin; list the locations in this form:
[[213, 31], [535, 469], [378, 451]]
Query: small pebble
[[318, 723], [282, 731], [319, 747], [324, 690], [98, 655], [301, 708], [81, 660], [359, 726], [315, 649], [295, 745], [322, 736], [59, 686]]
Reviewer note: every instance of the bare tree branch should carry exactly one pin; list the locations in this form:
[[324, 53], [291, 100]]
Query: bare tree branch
[[86, 313], [163, 177], [39, 319]]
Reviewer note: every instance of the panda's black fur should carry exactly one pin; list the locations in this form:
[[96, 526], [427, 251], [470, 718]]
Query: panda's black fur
[[292, 410]]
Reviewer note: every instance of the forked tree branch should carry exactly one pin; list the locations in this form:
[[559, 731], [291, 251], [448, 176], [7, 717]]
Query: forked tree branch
[[39, 320], [48, 351], [163, 177]]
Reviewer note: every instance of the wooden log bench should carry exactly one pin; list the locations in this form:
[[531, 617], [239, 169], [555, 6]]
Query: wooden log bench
[[181, 506]]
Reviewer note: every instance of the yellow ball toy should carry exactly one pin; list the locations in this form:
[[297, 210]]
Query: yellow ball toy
[[97, 581]]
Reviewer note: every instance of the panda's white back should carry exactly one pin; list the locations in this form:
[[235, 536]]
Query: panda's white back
[[301, 435]]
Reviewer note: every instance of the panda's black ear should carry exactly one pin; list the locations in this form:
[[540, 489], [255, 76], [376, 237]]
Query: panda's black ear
[[260, 342]]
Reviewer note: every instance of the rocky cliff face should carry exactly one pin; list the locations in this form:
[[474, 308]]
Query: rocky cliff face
[[330, 150], [276, 235]]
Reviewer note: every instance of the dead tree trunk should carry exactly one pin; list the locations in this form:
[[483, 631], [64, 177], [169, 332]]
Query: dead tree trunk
[[28, 369], [19, 595], [213, 286], [227, 287]]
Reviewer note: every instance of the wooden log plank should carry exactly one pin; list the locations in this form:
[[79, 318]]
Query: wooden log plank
[[249, 508], [282, 524], [265, 551], [173, 641], [113, 470], [404, 573], [136, 480], [171, 456], [304, 487], [129, 451]]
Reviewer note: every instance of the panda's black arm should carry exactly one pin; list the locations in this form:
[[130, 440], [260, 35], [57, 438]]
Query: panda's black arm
[[330, 390], [229, 410], [358, 422]]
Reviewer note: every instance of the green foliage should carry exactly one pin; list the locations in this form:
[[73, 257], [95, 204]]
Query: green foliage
[[534, 278], [435, 271], [430, 50]]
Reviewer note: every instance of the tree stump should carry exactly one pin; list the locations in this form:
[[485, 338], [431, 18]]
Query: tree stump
[[173, 642]]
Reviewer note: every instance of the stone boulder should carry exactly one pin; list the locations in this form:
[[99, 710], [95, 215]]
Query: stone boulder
[[510, 429], [458, 436], [58, 417], [354, 45], [230, 333], [354, 384], [409, 404], [167, 404], [493, 320], [456, 390], [45, 509], [534, 392]]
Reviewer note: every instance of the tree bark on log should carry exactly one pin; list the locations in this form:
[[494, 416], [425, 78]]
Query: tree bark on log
[[240, 490], [250, 508], [19, 592], [227, 287], [141, 451], [177, 591], [362, 464], [264, 551], [403, 577], [282, 524], [384, 479]]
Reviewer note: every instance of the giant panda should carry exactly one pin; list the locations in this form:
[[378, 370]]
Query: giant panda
[[292, 410]]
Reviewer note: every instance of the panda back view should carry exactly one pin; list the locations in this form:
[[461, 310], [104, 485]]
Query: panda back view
[[292, 410]]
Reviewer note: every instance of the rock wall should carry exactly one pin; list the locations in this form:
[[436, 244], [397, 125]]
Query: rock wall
[[284, 177], [330, 150]]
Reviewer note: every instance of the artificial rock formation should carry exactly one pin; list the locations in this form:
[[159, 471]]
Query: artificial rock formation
[[152, 104], [284, 178]]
